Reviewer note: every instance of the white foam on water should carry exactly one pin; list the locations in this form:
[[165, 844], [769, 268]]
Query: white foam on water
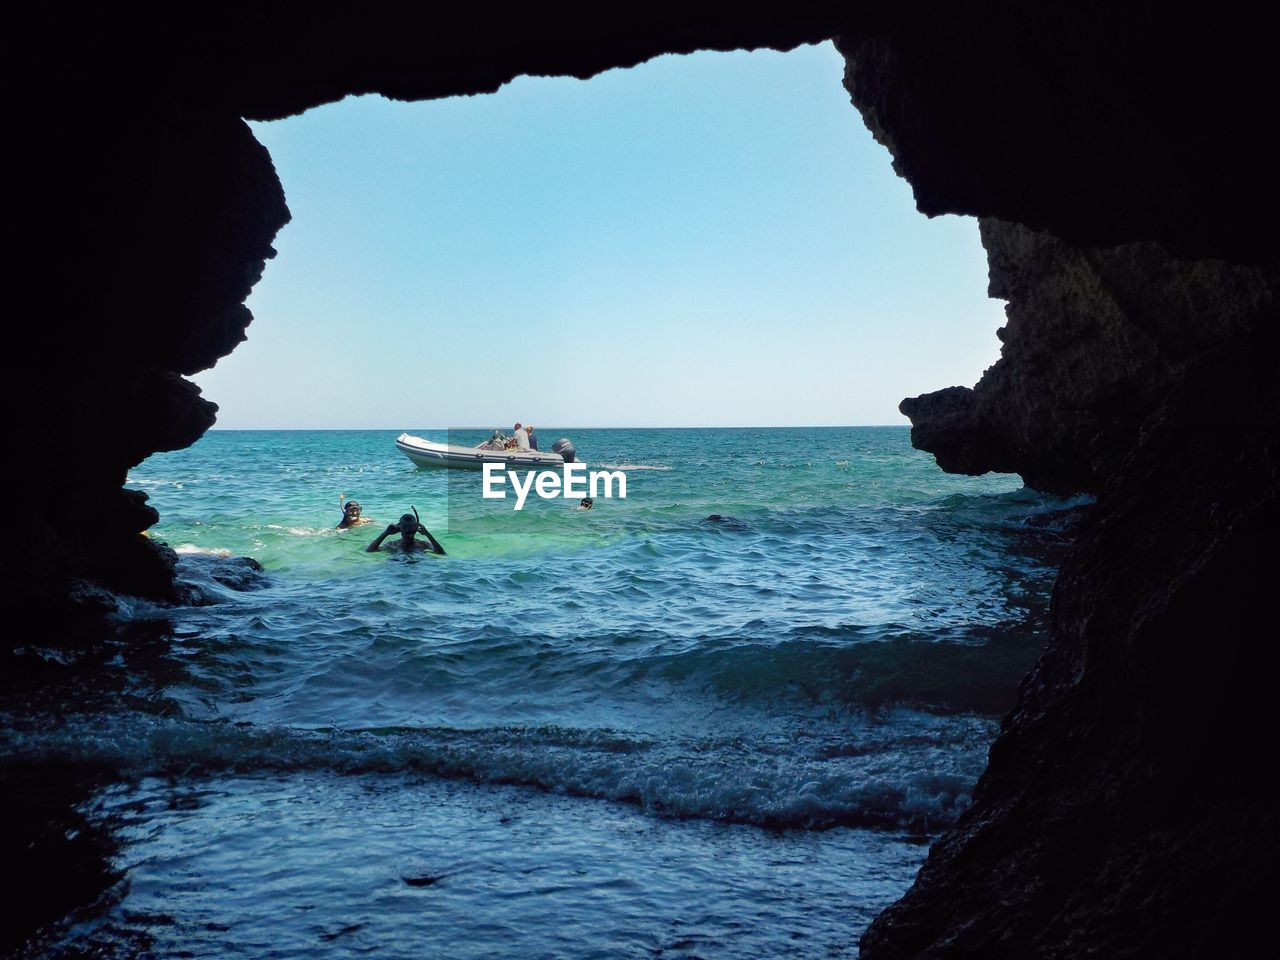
[[190, 549], [684, 779], [302, 531]]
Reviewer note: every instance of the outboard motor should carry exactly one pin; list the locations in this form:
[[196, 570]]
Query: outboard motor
[[564, 447]]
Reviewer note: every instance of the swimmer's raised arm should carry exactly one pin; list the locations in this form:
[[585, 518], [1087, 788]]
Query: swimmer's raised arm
[[435, 544], [377, 543]]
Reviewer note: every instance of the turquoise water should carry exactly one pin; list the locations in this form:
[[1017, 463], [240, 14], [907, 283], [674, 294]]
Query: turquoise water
[[624, 732]]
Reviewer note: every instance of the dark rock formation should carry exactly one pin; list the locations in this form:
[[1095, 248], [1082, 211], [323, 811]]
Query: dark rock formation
[[1096, 338], [1123, 812], [1102, 123], [158, 242], [1123, 159], [204, 580], [58, 859]]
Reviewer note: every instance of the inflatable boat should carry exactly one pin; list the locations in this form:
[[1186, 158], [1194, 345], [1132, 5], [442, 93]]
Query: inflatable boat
[[441, 456]]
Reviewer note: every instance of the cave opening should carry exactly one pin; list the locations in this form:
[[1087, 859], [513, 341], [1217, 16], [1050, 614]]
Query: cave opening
[[705, 269], [727, 275], [702, 240], [243, 739]]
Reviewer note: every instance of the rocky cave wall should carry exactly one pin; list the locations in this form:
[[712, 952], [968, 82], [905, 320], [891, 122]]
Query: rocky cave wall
[[1121, 163], [1096, 338], [1126, 201]]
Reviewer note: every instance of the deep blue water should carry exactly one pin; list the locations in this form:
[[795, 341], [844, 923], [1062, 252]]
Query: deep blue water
[[623, 732]]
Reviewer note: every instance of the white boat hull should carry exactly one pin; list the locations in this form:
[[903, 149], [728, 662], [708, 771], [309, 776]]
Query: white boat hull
[[430, 455]]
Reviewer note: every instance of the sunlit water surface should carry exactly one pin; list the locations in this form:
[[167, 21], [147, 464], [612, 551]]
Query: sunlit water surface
[[625, 732]]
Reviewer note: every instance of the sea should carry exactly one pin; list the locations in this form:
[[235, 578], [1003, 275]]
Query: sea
[[722, 717]]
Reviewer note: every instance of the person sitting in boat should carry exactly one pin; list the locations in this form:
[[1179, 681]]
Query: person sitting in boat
[[408, 526], [533, 437], [351, 514], [519, 438]]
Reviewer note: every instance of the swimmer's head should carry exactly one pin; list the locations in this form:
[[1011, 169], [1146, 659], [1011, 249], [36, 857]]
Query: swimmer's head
[[351, 510], [408, 525], [587, 503]]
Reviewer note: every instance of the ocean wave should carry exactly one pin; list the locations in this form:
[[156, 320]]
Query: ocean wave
[[633, 466], [486, 666], [977, 671], [728, 781]]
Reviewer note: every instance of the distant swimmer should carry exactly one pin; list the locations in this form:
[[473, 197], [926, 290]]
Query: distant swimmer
[[350, 514], [408, 526], [586, 503], [726, 523]]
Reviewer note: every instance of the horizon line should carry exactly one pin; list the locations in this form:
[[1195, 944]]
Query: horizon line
[[800, 426]]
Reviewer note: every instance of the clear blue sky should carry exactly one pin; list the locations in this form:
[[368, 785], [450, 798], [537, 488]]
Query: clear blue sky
[[711, 240]]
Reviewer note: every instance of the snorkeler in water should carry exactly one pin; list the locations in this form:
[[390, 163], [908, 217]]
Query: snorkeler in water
[[409, 525], [350, 514], [586, 503]]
